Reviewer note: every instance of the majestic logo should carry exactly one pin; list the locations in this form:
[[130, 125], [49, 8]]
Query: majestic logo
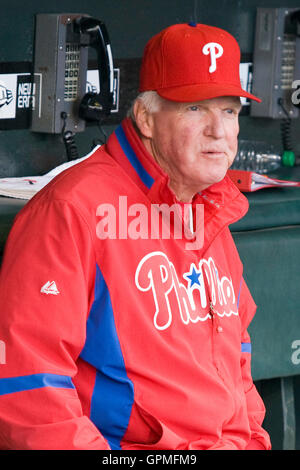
[[156, 273], [215, 50], [50, 288], [6, 96]]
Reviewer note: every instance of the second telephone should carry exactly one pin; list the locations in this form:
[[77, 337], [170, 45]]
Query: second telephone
[[276, 62]]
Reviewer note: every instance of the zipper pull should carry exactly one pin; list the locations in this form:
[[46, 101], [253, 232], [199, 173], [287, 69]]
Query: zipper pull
[[212, 310], [214, 315]]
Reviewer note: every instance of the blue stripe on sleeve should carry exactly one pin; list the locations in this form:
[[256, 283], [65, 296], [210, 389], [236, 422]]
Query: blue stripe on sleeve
[[31, 382], [135, 162], [246, 347], [238, 300]]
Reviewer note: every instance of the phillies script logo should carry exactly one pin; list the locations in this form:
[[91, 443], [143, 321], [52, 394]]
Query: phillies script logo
[[156, 273]]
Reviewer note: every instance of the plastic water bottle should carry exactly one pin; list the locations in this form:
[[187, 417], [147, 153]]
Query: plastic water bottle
[[260, 157]]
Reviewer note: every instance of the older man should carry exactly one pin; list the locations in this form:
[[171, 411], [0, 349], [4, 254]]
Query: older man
[[119, 336]]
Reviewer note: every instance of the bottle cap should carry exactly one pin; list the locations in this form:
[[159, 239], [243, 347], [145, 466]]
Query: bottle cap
[[288, 158]]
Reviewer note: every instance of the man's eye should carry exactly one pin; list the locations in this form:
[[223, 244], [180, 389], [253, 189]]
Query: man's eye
[[234, 111], [193, 108]]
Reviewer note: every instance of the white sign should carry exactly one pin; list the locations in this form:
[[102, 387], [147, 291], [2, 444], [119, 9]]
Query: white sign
[[8, 88], [17, 94], [246, 80]]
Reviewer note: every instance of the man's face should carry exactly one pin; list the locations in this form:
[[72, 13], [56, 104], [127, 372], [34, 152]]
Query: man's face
[[195, 143]]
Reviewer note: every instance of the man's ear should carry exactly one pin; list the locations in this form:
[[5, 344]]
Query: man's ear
[[143, 119]]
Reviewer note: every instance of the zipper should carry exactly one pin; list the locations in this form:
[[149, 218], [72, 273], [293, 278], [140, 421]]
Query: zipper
[[215, 317]]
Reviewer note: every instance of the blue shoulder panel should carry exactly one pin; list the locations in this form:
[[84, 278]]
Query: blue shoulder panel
[[113, 393]]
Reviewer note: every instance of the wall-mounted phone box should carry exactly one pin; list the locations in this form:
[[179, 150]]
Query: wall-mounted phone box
[[276, 63], [60, 67]]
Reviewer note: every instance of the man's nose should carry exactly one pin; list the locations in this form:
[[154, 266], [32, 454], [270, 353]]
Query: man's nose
[[214, 126]]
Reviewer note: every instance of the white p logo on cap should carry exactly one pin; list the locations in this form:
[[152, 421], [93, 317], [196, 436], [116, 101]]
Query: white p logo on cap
[[215, 50]]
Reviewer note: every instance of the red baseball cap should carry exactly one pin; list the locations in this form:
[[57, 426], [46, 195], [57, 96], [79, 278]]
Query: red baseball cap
[[192, 62]]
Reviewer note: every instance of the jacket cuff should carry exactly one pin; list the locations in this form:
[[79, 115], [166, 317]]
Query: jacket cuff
[[254, 444]]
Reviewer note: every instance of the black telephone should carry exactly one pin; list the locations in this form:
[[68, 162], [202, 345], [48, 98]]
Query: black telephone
[[60, 71], [93, 105]]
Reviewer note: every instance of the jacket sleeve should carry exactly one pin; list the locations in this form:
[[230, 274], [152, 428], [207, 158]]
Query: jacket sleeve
[[46, 289], [255, 406]]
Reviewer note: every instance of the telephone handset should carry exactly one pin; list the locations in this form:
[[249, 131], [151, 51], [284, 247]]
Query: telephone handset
[[93, 105], [62, 42]]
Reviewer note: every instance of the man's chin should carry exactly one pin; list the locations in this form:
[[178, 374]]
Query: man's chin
[[216, 177]]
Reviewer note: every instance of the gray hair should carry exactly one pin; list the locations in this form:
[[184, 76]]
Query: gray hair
[[151, 100]]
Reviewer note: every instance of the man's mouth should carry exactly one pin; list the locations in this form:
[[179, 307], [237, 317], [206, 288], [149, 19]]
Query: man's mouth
[[213, 153]]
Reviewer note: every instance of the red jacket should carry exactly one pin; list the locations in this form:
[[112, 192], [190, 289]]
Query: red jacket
[[111, 343]]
